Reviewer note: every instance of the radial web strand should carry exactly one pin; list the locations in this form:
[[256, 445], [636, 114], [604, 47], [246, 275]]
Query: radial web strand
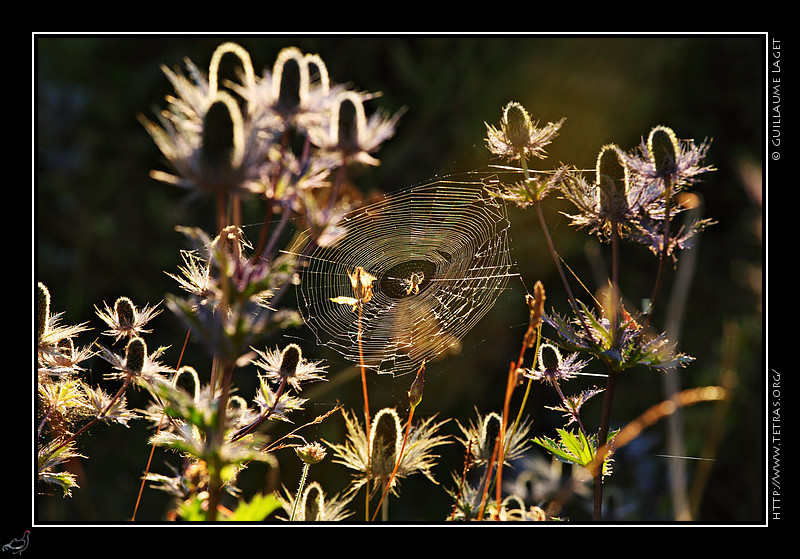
[[439, 255]]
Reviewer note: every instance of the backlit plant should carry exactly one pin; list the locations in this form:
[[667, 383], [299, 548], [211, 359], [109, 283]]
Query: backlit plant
[[287, 138]]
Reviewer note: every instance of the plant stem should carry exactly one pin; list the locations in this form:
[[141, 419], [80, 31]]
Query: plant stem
[[555, 257], [535, 196], [363, 373], [501, 452], [262, 236], [552, 248], [215, 480], [662, 261], [611, 381], [263, 417], [366, 408], [221, 209], [530, 381], [277, 232], [488, 476], [299, 489]]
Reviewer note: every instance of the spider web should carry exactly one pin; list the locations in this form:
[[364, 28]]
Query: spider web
[[439, 254]]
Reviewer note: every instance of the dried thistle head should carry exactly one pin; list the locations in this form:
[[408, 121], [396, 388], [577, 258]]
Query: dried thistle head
[[222, 143], [359, 453], [609, 203], [348, 135], [135, 354], [518, 135], [125, 320], [137, 365], [289, 365], [487, 437], [663, 146], [294, 95], [552, 367], [480, 438], [55, 348], [664, 157], [293, 92], [209, 142], [42, 310], [385, 439], [612, 182], [315, 506]]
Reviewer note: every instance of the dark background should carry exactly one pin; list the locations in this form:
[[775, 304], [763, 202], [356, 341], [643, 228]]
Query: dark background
[[104, 228]]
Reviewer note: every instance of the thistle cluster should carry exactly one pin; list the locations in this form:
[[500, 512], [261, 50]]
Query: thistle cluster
[[633, 196], [279, 137], [283, 139], [67, 404], [637, 195], [480, 441]]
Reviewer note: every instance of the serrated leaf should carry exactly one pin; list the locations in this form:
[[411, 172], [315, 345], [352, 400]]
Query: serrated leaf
[[557, 448], [259, 508]]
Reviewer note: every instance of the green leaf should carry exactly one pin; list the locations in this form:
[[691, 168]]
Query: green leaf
[[257, 509], [65, 480], [571, 448], [192, 510], [555, 448]]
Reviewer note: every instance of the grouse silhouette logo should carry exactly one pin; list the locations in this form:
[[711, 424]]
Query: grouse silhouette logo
[[18, 545]]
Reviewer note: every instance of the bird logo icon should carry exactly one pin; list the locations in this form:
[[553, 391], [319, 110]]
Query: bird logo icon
[[18, 545]]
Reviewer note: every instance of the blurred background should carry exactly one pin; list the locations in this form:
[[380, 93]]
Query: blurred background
[[104, 229]]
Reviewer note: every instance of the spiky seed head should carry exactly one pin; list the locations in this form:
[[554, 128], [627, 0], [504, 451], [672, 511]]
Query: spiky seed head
[[311, 453], [217, 136], [347, 124], [518, 125], [315, 64], [612, 179], [135, 354], [385, 439], [126, 314], [290, 358], [222, 135], [291, 78], [216, 58], [663, 146], [489, 431], [42, 310], [313, 502], [549, 357]]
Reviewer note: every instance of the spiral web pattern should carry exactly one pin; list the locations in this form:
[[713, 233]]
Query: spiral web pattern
[[439, 256]]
